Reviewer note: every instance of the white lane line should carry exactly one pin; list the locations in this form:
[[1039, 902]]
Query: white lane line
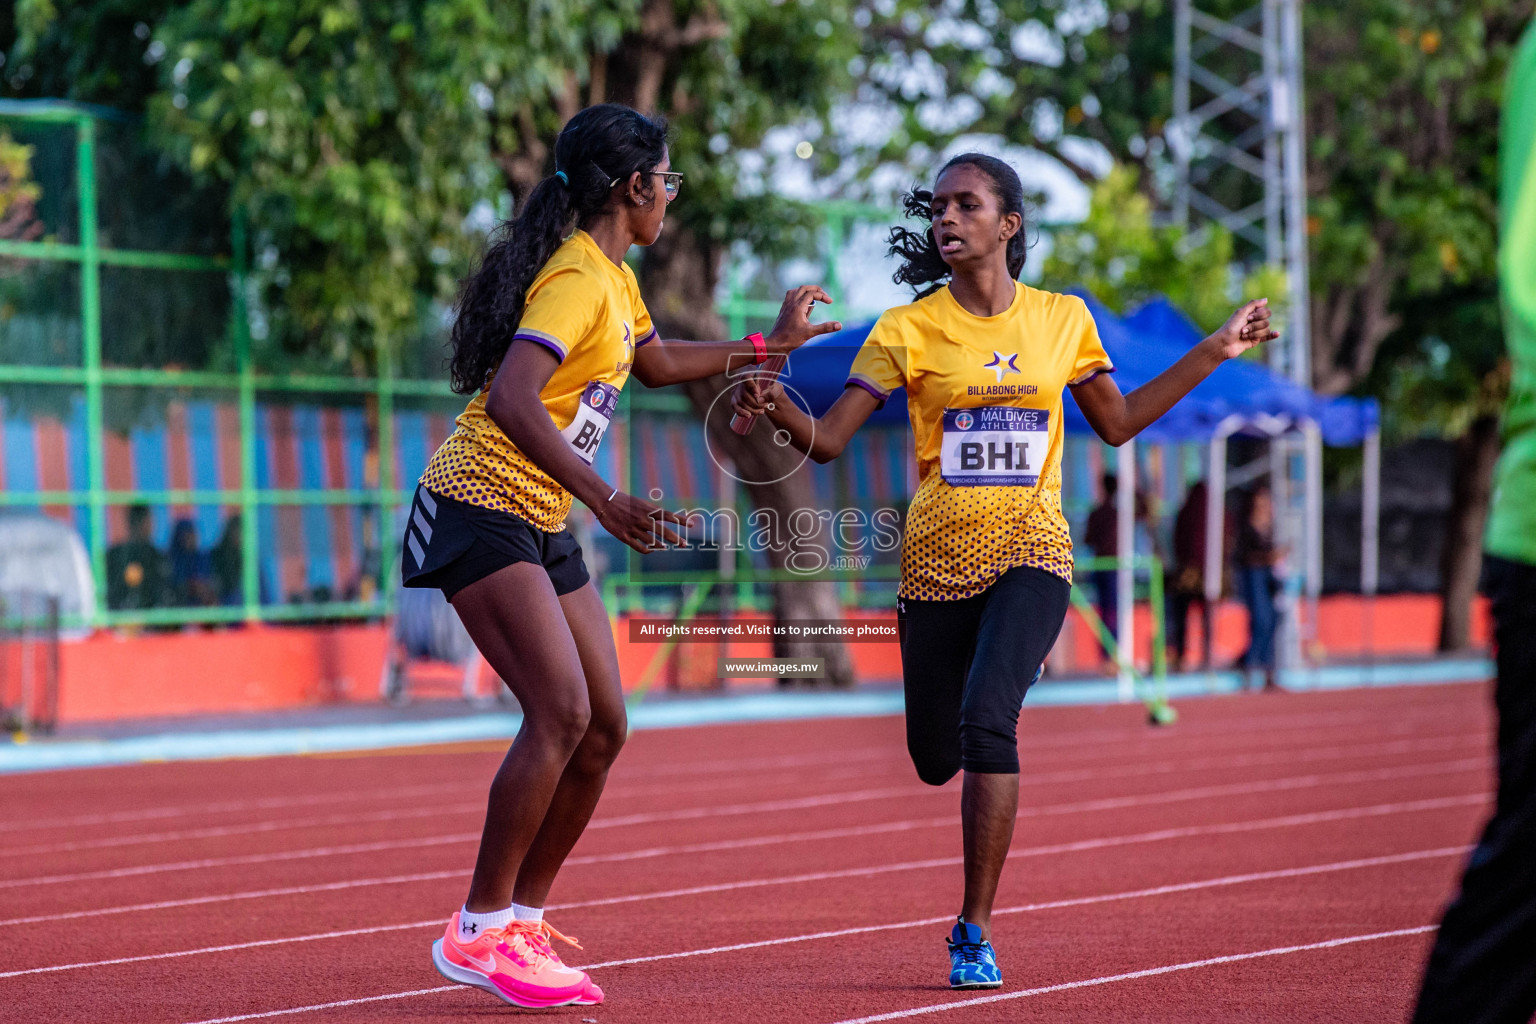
[[224, 807], [1080, 901], [625, 792], [344, 796], [477, 807], [437, 922], [373, 817], [1162, 890], [250, 828], [1181, 832], [333, 1005], [1267, 786], [1229, 729], [245, 859], [1406, 721], [1150, 972], [766, 806], [230, 947], [227, 897], [690, 813], [1299, 755], [816, 876], [1110, 803]]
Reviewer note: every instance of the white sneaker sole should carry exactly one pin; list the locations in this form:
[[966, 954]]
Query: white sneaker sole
[[463, 976]]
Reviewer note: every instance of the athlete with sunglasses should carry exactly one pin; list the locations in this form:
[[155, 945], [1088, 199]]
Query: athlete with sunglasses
[[548, 330]]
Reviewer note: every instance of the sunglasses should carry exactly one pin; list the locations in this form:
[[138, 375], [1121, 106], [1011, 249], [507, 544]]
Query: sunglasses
[[672, 182]]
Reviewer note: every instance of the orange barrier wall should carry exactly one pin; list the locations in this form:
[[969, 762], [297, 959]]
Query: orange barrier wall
[[263, 668], [1394, 626], [254, 668]]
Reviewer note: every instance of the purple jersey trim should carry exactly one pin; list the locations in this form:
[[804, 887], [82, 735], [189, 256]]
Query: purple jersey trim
[[867, 386], [1089, 376], [548, 341]]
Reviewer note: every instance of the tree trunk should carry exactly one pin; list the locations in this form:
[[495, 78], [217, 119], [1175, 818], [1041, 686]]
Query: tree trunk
[[1461, 558], [678, 274]]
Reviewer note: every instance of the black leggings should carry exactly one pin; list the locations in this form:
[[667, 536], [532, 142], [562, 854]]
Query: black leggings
[[966, 666]]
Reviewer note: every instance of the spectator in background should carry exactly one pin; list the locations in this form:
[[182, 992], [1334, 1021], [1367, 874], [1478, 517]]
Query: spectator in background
[[1103, 536], [1482, 969], [192, 583], [225, 562], [137, 574], [1186, 585], [1256, 556]]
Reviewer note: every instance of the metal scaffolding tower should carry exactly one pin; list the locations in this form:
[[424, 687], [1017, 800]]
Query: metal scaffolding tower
[[1238, 144], [1240, 154]]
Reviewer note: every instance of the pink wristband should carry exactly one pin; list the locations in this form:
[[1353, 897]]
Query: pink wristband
[[759, 348]]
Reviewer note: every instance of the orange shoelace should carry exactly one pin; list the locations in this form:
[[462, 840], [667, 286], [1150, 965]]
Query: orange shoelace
[[536, 934]]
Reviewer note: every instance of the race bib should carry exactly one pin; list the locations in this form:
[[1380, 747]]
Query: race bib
[[593, 415], [994, 445]]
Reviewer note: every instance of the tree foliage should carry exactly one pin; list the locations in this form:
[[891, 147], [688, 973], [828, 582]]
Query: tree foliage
[[368, 144], [350, 139], [1403, 114], [1120, 255], [1401, 108], [18, 192]]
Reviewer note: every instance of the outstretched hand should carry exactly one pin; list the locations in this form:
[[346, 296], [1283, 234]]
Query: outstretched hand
[[640, 524], [793, 328], [1247, 327]]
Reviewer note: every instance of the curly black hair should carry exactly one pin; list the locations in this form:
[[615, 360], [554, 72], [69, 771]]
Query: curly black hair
[[921, 262], [597, 150]]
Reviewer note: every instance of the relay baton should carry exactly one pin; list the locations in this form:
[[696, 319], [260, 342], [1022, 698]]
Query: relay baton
[[742, 423]]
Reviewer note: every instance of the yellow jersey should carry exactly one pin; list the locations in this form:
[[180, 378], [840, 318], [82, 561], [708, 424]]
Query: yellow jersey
[[984, 395], [587, 311]]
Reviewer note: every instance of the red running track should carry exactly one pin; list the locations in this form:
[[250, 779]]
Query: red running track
[[1272, 857]]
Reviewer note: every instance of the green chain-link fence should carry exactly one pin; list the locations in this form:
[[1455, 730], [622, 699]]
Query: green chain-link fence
[[122, 300]]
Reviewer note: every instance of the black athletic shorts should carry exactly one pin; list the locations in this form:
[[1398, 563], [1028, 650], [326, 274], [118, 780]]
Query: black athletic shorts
[[966, 666], [450, 544]]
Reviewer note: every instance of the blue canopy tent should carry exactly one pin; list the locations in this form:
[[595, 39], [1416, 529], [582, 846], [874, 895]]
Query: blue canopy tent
[[1241, 397], [1242, 386], [1338, 420]]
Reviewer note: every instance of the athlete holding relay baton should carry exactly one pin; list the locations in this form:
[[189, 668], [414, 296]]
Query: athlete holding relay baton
[[986, 559], [549, 329]]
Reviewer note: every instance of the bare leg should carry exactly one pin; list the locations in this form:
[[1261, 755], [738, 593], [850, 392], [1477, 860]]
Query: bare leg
[[587, 771], [518, 623], [988, 805]]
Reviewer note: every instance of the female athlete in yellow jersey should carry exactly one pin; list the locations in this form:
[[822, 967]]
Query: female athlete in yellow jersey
[[986, 560], [549, 328]]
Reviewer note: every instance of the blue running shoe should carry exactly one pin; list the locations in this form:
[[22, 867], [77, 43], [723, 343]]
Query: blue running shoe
[[972, 960]]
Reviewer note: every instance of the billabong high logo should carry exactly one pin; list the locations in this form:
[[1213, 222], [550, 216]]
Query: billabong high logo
[[1002, 367]]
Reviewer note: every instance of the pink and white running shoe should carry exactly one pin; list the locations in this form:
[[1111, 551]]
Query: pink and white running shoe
[[593, 995], [515, 963]]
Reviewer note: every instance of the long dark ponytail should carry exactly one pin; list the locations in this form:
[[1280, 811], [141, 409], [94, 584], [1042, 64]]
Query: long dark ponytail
[[597, 149], [921, 262]]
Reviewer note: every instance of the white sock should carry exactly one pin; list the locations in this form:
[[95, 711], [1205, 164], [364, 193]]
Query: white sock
[[472, 926], [522, 913]]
